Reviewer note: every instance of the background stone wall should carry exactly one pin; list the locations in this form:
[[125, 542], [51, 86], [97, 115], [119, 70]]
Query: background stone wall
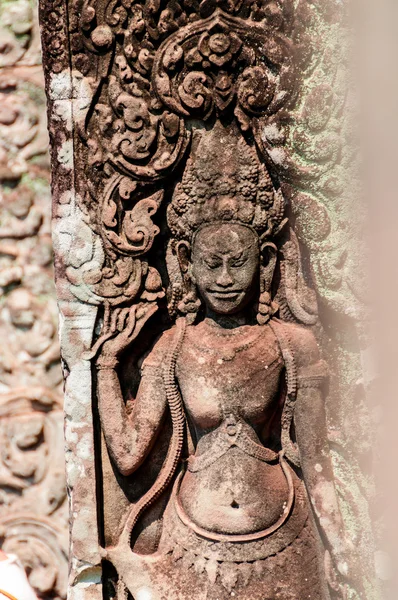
[[33, 507]]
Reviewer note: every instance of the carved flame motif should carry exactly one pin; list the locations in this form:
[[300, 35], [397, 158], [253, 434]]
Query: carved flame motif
[[163, 62]]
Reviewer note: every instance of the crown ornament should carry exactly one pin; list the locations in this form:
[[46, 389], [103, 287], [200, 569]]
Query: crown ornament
[[224, 180]]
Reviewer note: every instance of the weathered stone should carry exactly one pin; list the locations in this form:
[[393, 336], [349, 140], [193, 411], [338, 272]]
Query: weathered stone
[[200, 167]]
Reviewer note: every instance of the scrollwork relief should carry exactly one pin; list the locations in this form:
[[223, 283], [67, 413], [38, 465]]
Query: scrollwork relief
[[19, 29]]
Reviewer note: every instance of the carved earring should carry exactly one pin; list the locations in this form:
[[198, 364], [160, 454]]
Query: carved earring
[[175, 298], [190, 303], [266, 307], [264, 310]]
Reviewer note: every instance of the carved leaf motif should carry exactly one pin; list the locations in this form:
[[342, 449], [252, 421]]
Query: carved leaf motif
[[255, 90], [193, 91], [109, 213], [191, 61], [126, 188], [153, 286], [135, 230], [136, 145], [122, 280], [172, 57], [218, 43], [138, 227]]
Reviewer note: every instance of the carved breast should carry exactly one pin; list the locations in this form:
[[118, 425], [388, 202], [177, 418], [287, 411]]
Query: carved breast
[[229, 371]]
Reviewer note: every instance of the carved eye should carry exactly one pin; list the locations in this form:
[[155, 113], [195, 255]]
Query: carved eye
[[213, 262], [238, 262]]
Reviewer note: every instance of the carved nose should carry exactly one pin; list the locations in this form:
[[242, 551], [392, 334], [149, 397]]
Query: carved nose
[[225, 279]]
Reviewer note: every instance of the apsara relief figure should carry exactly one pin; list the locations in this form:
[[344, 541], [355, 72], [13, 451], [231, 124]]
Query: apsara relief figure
[[249, 504], [197, 439]]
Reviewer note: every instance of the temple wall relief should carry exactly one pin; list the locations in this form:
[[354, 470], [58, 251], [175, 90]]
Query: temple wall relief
[[207, 230]]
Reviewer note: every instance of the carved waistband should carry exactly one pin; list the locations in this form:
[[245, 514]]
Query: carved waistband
[[231, 434]]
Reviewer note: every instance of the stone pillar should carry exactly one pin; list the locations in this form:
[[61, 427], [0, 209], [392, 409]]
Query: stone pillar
[[166, 118], [33, 505]]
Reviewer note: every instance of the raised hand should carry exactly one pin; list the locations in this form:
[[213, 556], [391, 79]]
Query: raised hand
[[120, 328]]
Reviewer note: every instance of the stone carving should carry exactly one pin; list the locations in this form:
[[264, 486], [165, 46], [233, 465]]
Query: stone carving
[[33, 508], [191, 156], [237, 501], [42, 548]]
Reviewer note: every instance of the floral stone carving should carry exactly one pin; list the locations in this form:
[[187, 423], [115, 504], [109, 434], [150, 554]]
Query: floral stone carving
[[201, 385]]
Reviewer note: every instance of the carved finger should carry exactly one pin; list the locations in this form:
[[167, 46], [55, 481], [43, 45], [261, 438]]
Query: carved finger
[[121, 321], [144, 316], [107, 315], [114, 318], [142, 310], [90, 354], [131, 320]]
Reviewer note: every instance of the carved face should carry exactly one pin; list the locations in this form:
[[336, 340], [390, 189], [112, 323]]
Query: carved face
[[225, 263]]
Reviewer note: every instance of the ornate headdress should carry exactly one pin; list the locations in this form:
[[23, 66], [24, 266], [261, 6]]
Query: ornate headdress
[[224, 180]]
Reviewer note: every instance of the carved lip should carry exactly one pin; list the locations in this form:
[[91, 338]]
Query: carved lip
[[225, 294]]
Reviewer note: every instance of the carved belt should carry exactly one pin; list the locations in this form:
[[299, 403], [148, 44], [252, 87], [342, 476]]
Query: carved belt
[[180, 533], [231, 434]]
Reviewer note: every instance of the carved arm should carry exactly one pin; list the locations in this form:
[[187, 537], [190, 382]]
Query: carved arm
[[312, 441], [311, 434], [129, 437]]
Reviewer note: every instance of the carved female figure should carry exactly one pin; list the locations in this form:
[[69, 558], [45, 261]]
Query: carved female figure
[[250, 504]]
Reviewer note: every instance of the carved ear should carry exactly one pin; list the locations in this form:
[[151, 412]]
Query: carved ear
[[268, 253], [183, 251]]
